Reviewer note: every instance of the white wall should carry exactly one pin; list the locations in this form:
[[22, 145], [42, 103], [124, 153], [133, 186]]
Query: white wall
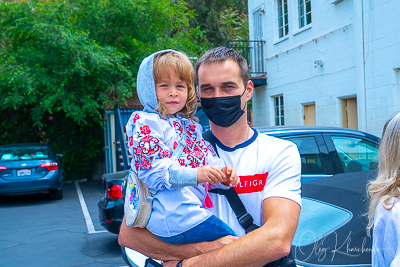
[[340, 32], [290, 63], [382, 58]]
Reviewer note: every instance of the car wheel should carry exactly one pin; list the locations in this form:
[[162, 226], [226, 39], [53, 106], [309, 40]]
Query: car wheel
[[57, 194]]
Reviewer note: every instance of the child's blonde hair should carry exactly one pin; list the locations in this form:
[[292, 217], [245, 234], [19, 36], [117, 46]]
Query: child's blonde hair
[[387, 184], [181, 65]]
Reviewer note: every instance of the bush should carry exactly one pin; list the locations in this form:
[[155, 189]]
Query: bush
[[81, 144]]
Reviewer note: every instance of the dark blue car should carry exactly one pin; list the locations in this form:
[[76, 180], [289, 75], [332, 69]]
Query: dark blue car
[[30, 168]]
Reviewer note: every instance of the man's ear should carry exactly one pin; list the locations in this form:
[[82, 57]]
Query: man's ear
[[197, 92], [249, 90]]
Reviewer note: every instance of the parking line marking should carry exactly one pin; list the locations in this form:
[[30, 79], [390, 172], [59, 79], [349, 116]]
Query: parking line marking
[[85, 211]]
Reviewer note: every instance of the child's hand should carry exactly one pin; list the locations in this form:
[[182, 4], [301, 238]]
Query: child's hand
[[209, 174], [231, 177]]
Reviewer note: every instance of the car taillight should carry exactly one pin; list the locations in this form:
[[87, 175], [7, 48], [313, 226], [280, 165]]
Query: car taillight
[[3, 168], [51, 166], [114, 192]]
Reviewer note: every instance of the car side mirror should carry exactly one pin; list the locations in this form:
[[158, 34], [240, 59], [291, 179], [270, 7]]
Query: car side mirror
[[59, 156]]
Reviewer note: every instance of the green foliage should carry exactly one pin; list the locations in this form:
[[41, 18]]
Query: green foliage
[[50, 64], [81, 144], [75, 56], [69, 59], [234, 26], [209, 16]]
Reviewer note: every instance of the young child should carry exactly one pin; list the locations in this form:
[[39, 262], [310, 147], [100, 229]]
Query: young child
[[165, 85]]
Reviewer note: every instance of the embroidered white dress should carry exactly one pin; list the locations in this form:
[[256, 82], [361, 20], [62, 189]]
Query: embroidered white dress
[[152, 141]]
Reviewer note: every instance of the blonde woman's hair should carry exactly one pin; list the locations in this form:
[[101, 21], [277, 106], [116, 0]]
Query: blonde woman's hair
[[387, 184], [177, 62]]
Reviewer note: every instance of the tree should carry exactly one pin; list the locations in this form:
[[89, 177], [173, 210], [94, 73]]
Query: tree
[[77, 56], [69, 59], [234, 26], [209, 15]]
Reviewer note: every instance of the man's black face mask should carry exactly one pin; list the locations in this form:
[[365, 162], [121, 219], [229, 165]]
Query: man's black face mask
[[223, 111]]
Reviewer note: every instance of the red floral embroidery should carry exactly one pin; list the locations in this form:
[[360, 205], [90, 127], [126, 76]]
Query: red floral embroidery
[[165, 154], [178, 127], [131, 140], [194, 163], [210, 147], [137, 165], [145, 129], [198, 155], [192, 127], [175, 145], [148, 145], [186, 150], [181, 162], [136, 118], [145, 163], [188, 142]]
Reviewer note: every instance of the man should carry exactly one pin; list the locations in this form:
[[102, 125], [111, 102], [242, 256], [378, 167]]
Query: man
[[269, 169]]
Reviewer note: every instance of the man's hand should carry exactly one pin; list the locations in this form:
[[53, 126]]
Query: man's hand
[[231, 178], [268, 243], [209, 174], [220, 242], [208, 246], [148, 244]]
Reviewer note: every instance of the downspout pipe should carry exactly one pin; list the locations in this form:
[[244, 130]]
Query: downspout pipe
[[360, 65]]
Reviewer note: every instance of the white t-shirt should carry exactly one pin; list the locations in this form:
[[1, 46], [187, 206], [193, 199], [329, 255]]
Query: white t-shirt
[[267, 167], [386, 236]]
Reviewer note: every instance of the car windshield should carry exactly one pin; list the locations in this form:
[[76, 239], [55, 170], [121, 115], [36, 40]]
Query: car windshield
[[23, 153]]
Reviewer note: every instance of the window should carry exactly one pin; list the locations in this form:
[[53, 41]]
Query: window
[[24, 153], [304, 13], [257, 18], [283, 18], [356, 154], [311, 162], [279, 111]]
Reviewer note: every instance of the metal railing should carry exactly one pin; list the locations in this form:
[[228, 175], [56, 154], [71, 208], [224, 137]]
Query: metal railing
[[253, 52]]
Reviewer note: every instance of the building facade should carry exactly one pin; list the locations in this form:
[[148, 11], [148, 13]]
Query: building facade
[[328, 62]]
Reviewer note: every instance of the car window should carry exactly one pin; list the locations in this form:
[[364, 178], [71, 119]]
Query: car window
[[23, 153], [318, 219], [311, 162], [356, 154]]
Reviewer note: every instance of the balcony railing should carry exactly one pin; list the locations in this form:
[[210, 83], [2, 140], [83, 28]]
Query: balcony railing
[[253, 52]]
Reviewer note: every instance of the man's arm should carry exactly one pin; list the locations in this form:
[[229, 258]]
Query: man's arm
[[141, 240], [270, 242]]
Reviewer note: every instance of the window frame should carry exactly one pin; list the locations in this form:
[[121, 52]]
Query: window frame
[[280, 107], [303, 14], [281, 4]]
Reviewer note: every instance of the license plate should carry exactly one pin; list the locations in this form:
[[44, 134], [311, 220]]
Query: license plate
[[24, 172]]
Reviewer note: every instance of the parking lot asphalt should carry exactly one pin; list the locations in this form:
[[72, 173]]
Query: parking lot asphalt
[[38, 231]]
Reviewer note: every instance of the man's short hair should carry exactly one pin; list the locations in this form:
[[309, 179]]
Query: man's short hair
[[221, 54]]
